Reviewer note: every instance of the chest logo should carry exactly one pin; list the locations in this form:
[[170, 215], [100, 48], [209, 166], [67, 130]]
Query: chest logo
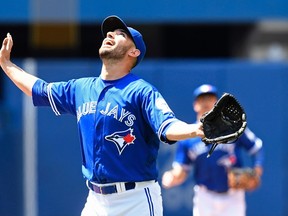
[[121, 139], [227, 160]]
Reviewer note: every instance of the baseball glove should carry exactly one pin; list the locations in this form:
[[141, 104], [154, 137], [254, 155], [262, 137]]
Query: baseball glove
[[224, 123], [243, 178]]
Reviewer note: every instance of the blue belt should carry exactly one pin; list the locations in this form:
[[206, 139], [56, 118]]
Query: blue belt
[[110, 189]]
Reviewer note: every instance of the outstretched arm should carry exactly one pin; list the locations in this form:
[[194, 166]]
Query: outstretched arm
[[180, 130], [21, 79]]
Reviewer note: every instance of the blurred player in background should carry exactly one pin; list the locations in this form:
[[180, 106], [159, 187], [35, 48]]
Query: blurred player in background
[[212, 195], [120, 118]]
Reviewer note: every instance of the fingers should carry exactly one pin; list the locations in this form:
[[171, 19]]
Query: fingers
[[9, 42], [6, 48], [4, 44]]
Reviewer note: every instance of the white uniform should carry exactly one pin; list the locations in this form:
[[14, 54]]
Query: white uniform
[[209, 203], [146, 196]]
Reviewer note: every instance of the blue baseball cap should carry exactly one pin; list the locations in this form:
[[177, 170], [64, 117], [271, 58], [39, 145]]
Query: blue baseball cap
[[111, 23], [205, 89]]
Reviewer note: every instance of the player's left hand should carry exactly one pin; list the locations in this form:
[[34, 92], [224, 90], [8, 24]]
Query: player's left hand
[[196, 129], [6, 49], [199, 130]]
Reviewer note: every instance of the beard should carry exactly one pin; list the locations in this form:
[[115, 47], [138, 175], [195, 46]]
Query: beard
[[113, 54]]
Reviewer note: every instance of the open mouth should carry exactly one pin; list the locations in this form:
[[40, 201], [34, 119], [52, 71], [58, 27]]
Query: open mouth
[[108, 42]]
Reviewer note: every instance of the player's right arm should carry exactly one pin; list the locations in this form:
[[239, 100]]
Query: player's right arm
[[23, 80], [174, 177]]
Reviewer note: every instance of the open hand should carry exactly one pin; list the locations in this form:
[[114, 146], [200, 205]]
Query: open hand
[[6, 49]]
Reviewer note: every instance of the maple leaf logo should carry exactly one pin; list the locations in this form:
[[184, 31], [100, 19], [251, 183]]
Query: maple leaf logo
[[122, 139], [129, 138]]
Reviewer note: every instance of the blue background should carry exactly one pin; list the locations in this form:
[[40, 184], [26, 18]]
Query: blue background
[[23, 11], [260, 87]]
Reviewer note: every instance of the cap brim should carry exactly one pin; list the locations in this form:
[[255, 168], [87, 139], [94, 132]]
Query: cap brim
[[112, 23]]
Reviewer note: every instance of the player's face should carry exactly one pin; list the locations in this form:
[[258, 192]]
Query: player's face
[[116, 45], [204, 103]]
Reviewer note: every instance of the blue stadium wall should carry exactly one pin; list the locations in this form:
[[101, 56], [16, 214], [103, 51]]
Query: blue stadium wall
[[149, 11], [260, 86]]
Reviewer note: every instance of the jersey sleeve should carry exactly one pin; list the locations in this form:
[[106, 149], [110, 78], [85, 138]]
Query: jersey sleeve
[[60, 96], [253, 145], [157, 112]]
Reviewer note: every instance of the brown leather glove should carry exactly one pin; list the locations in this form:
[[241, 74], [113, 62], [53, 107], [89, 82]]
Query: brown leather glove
[[243, 178]]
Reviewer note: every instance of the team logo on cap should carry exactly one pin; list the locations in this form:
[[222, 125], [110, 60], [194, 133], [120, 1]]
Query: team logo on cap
[[122, 139]]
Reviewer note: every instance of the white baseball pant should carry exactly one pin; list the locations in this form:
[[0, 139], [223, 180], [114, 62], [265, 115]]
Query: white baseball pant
[[209, 203], [144, 200]]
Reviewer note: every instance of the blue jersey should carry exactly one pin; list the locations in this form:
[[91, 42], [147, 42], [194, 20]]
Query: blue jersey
[[120, 124], [212, 172]]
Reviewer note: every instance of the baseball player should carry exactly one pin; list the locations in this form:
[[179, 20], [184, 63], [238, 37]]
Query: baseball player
[[212, 195], [120, 118]]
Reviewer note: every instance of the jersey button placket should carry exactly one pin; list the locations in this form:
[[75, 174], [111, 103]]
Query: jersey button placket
[[99, 134]]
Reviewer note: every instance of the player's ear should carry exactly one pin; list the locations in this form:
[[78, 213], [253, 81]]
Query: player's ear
[[196, 106], [134, 52]]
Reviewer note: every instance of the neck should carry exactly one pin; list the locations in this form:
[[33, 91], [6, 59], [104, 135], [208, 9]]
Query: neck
[[114, 71]]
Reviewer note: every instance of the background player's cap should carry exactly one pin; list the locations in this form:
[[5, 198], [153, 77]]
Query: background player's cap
[[205, 89], [112, 23]]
